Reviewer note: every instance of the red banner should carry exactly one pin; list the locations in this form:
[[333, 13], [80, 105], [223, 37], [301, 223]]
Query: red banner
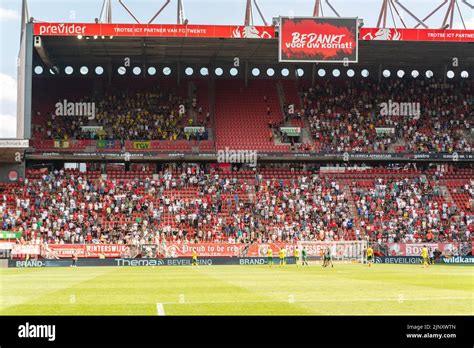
[[316, 26], [338, 249], [414, 249], [318, 40], [154, 30], [313, 249], [204, 249], [393, 34], [85, 250]]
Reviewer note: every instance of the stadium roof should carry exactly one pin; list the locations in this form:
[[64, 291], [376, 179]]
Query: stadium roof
[[63, 50]]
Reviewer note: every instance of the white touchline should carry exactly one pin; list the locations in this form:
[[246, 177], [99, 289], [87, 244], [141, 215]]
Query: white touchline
[[159, 308], [324, 300]]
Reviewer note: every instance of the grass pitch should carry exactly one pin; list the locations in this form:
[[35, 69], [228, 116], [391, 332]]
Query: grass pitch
[[346, 289]]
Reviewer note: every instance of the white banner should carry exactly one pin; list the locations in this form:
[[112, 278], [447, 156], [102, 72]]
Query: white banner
[[19, 249], [15, 143]]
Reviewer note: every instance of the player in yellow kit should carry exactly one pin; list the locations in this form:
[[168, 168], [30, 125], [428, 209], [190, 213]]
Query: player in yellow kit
[[282, 257], [370, 256], [424, 256], [296, 254], [270, 256], [195, 258]]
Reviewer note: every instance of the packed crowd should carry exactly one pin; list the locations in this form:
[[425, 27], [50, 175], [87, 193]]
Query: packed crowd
[[68, 207], [132, 115], [351, 115], [410, 210]]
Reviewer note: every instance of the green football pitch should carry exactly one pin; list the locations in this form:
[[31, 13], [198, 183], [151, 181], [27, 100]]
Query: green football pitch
[[346, 289]]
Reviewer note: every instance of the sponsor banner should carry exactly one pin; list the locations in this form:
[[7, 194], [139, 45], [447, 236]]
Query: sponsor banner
[[9, 235], [6, 245], [459, 260], [91, 129], [203, 249], [414, 249], [141, 145], [310, 39], [394, 34], [322, 156], [291, 131], [105, 144], [61, 144], [54, 251], [154, 30], [145, 262], [233, 31], [20, 249], [14, 143], [399, 259], [384, 130], [194, 129], [339, 250], [110, 250], [85, 250], [27, 264]]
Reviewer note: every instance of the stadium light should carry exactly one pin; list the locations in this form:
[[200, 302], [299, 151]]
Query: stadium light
[[204, 71], [386, 73], [321, 72], [234, 71], [450, 74], [285, 72], [137, 70], [400, 73], [38, 70], [189, 71], [84, 70], [255, 72], [54, 70], [270, 72], [151, 71], [336, 73]]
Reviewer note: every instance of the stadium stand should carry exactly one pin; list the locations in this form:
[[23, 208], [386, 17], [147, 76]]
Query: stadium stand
[[243, 114], [345, 115], [145, 113], [197, 203], [340, 116]]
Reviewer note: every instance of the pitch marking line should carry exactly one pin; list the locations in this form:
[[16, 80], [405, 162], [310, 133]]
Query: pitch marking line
[[321, 300], [159, 309]]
